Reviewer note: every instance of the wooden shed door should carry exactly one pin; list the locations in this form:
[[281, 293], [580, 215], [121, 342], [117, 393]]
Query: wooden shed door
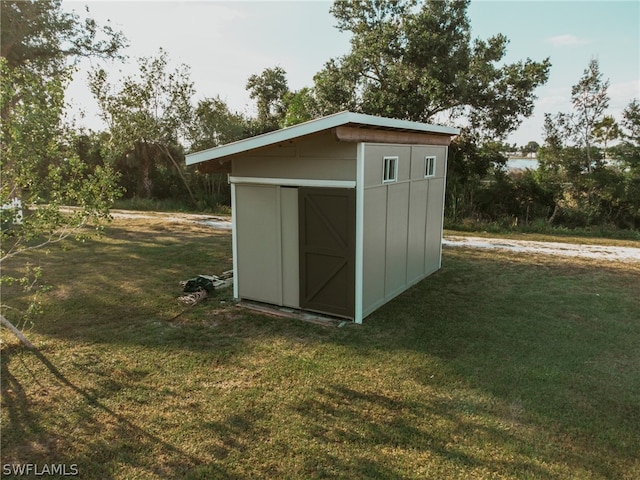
[[327, 250]]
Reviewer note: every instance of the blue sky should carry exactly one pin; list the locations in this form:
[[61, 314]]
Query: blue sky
[[224, 43]]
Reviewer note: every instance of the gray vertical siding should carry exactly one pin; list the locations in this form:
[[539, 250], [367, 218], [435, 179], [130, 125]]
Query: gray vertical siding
[[258, 238], [267, 236], [402, 221], [290, 262]]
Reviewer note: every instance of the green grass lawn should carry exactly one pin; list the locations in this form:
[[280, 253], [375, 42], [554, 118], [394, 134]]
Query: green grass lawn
[[500, 365]]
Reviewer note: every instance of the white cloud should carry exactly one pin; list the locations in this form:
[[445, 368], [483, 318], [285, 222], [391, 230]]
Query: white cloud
[[622, 93], [567, 40]]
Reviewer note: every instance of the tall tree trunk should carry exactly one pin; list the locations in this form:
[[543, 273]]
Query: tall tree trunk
[[184, 180], [556, 210], [142, 154]]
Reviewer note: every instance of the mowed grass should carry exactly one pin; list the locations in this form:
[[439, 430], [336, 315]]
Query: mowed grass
[[498, 366]]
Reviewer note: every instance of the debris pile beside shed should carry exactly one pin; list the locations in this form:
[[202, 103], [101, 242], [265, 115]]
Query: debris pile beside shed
[[198, 288]]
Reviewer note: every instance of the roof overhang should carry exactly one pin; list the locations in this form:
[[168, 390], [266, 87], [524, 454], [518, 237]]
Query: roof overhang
[[348, 121]]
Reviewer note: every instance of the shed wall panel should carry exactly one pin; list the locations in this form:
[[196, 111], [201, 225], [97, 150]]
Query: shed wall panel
[[417, 226], [259, 262], [418, 154], [373, 163], [290, 260], [397, 234], [317, 157], [434, 225], [302, 168], [374, 248], [402, 221]]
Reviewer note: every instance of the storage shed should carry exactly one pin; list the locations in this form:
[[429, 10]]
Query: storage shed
[[337, 215]]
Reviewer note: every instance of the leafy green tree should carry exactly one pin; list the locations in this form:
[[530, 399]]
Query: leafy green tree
[[586, 190], [38, 36], [301, 106], [530, 147], [590, 100], [606, 131], [629, 150], [631, 122], [559, 166], [147, 116], [42, 174], [269, 90], [470, 160], [417, 62], [214, 124]]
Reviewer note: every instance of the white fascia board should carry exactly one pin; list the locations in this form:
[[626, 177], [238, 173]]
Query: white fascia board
[[313, 126], [267, 139], [252, 143]]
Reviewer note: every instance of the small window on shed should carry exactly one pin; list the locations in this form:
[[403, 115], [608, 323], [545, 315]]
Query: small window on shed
[[390, 172], [430, 166]]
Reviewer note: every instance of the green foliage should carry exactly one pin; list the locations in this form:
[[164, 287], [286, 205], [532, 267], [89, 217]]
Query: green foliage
[[417, 61], [629, 150], [581, 181], [214, 124], [590, 100], [606, 131], [530, 147], [588, 191], [471, 160], [301, 107], [39, 164], [48, 192], [269, 90], [147, 117], [37, 36]]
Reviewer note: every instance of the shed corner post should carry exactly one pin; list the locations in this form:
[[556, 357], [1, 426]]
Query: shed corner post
[[444, 198], [359, 260], [234, 241]]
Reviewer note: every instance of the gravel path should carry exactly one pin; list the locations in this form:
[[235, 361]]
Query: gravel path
[[624, 254]]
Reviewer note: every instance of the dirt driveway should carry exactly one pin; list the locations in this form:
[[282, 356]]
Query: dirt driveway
[[624, 254]]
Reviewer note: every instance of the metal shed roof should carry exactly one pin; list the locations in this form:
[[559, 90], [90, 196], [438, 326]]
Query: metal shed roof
[[314, 126]]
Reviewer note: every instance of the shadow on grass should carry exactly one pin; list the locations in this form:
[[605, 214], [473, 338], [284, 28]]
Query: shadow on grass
[[553, 344], [124, 288], [104, 457], [557, 340], [405, 425]]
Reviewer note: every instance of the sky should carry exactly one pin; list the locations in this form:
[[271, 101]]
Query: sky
[[224, 43]]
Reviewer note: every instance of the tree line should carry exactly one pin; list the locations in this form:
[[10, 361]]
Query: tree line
[[588, 171], [409, 60]]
